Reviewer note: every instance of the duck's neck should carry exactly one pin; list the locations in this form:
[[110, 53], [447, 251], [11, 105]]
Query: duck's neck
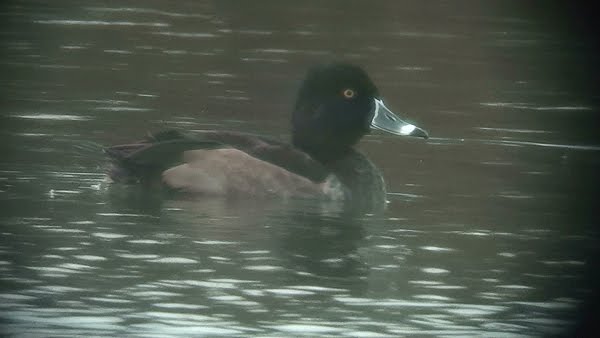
[[324, 153], [362, 179], [355, 168]]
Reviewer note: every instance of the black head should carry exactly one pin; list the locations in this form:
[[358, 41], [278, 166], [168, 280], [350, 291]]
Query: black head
[[337, 105], [334, 109]]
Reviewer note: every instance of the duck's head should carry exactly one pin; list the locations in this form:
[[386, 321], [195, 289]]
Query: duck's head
[[337, 105]]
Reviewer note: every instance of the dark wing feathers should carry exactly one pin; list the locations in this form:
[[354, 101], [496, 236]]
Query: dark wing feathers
[[161, 147], [146, 159]]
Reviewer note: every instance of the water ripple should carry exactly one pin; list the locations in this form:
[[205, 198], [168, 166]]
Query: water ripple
[[59, 117], [101, 23]]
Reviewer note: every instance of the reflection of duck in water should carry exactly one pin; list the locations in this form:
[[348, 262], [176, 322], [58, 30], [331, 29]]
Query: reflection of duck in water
[[324, 247], [337, 105]]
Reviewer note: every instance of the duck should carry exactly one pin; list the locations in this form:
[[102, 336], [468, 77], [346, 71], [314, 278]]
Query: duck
[[337, 104]]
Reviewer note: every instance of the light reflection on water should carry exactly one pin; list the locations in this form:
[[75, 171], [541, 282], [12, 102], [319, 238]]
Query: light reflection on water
[[214, 268], [479, 237]]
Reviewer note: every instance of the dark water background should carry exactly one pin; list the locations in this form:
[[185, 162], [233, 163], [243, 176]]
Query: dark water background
[[491, 227]]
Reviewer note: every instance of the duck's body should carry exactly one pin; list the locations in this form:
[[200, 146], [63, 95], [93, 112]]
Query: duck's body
[[337, 105]]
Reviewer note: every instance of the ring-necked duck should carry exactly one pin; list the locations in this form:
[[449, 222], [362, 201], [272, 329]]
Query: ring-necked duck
[[337, 104]]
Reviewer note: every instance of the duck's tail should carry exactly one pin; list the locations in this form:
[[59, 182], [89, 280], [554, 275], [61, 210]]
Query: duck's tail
[[145, 160]]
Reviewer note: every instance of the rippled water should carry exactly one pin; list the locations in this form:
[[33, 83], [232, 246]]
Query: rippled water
[[490, 227]]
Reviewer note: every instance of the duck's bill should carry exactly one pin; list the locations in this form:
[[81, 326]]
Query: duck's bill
[[385, 120]]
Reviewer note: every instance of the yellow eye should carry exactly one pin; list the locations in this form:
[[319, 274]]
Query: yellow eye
[[349, 93]]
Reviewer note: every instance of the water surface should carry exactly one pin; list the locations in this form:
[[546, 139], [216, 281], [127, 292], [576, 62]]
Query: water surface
[[490, 227]]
